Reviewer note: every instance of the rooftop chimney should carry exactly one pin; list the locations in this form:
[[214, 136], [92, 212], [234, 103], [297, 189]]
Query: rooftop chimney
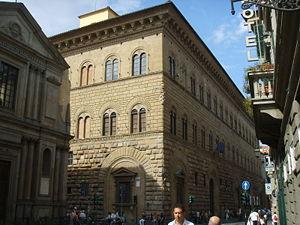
[[97, 16]]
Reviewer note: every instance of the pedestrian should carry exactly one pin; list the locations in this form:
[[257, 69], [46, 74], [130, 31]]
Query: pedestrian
[[275, 219], [178, 214], [262, 219], [142, 221], [214, 220], [74, 220], [253, 218], [82, 215]]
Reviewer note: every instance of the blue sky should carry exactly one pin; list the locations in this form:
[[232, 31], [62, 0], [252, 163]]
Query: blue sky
[[223, 33]]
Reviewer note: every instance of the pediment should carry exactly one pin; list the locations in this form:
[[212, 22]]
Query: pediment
[[123, 172], [17, 23]]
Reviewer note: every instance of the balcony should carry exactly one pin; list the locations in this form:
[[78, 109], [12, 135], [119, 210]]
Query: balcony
[[261, 82], [266, 115]]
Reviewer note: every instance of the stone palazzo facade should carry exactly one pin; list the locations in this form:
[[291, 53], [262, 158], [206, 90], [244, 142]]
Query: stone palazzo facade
[[34, 121], [156, 120]]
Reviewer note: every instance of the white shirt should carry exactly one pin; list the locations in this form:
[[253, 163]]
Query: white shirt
[[254, 216], [185, 222]]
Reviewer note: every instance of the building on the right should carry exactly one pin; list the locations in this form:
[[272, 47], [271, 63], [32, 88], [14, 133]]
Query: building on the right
[[275, 93]]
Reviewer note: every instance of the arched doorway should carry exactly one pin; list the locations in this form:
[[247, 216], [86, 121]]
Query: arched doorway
[[180, 187], [211, 197]]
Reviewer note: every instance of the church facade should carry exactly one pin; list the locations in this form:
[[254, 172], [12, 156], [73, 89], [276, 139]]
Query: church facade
[[34, 126]]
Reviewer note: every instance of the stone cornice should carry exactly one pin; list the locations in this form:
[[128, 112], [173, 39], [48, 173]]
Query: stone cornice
[[114, 33]]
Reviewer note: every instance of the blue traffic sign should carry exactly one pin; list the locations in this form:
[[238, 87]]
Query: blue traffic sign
[[245, 185]]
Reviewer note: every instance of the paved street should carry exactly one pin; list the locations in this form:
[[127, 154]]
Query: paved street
[[243, 223]]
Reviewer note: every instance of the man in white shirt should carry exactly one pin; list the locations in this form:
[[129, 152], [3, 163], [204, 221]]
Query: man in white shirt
[[179, 219], [253, 218]]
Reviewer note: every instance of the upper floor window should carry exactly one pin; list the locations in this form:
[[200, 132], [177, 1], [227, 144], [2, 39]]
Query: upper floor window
[[172, 67], [216, 105], [231, 120], [173, 122], [139, 64], [195, 132], [208, 95], [217, 143], [111, 69], [193, 86], [201, 93], [109, 123], [221, 111], [83, 127], [86, 74], [210, 141], [138, 120], [235, 124], [203, 137], [233, 154], [227, 150], [8, 85], [184, 128], [226, 115]]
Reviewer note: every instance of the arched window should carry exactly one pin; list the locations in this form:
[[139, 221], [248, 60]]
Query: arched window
[[106, 124], [111, 69], [221, 110], [172, 67], [134, 121], [210, 141], [46, 172], [90, 74], [216, 105], [86, 74], [195, 133], [173, 122], [135, 66], [142, 120], [80, 128], [203, 137], [83, 127], [143, 63], [87, 127], [208, 95], [109, 123], [115, 69], [83, 76], [108, 69], [139, 64], [138, 120], [201, 93], [113, 123], [184, 128]]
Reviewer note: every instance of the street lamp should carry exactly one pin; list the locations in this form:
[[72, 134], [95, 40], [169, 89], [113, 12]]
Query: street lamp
[[281, 5]]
